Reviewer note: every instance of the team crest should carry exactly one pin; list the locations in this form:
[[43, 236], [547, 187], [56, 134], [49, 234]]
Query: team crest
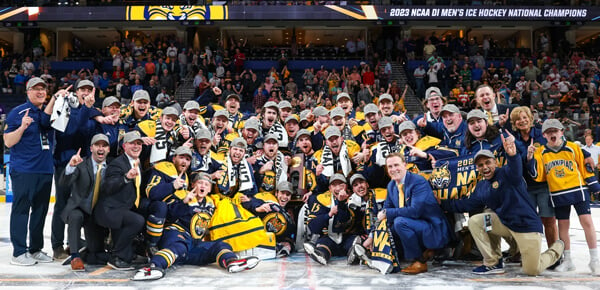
[[177, 12], [269, 181], [199, 225], [495, 185], [440, 177], [275, 222], [560, 173]]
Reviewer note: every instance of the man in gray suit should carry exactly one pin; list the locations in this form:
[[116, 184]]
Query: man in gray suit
[[85, 176]]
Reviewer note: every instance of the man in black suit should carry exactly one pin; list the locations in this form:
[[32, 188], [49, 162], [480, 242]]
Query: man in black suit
[[84, 176], [118, 204], [498, 114]]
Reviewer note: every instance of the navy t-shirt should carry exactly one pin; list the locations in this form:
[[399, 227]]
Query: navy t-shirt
[[33, 153]]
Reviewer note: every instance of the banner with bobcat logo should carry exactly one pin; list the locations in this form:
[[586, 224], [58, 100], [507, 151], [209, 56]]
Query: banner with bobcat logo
[[456, 178]]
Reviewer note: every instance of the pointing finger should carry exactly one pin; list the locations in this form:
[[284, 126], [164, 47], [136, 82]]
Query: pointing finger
[[79, 152]]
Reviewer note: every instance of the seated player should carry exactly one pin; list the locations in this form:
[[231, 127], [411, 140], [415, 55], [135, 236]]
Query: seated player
[[183, 239], [330, 219]]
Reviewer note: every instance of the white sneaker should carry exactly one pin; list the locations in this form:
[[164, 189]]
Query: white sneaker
[[565, 266], [23, 260], [41, 257], [148, 273], [595, 267]]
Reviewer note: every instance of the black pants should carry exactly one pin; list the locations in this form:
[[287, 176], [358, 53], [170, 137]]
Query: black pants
[[94, 234], [62, 194], [122, 234]]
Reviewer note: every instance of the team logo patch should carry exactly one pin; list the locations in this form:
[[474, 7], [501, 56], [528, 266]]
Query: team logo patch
[[440, 177], [560, 173], [275, 222], [199, 225], [495, 184]]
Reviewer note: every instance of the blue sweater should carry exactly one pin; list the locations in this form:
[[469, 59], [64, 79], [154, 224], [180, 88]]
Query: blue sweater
[[505, 194]]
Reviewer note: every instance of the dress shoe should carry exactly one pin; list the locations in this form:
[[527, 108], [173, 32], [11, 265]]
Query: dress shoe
[[118, 264], [77, 265], [416, 267]]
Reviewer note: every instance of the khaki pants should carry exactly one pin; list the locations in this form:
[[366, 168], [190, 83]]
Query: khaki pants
[[529, 244]]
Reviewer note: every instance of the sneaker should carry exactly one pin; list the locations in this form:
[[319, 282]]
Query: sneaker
[[315, 253], [118, 264], [77, 265], [41, 257], [148, 273], [352, 257], [565, 266], [23, 260], [513, 259], [59, 253], [487, 270], [595, 267], [242, 264]]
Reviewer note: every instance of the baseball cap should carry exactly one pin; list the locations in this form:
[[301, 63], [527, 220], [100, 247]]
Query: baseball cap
[[291, 118], [337, 176], [169, 111], [183, 150], [271, 104], [476, 114], [191, 105], [252, 124], [85, 83], [236, 96], [109, 101], [304, 115], [202, 134], [203, 176], [483, 153], [270, 137], [371, 108], [302, 132], [221, 113], [285, 186], [337, 112], [239, 142], [320, 111], [342, 95], [433, 91], [355, 177], [284, 104], [332, 131], [386, 97], [450, 108], [132, 136], [99, 137], [406, 125], [552, 123], [386, 121], [36, 81], [141, 95]]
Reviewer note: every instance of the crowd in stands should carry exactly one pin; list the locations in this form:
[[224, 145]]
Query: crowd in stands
[[332, 144], [561, 83]]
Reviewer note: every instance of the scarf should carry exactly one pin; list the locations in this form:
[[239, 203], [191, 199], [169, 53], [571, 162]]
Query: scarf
[[244, 182], [384, 149], [201, 163], [60, 114], [328, 164], [160, 150], [336, 237], [192, 127], [281, 170], [282, 136]]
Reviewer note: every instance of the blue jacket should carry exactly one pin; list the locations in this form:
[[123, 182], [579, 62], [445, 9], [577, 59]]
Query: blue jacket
[[451, 140], [419, 204], [505, 194]]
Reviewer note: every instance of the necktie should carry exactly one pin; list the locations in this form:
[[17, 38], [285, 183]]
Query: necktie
[[138, 183], [490, 118], [400, 195], [97, 185]]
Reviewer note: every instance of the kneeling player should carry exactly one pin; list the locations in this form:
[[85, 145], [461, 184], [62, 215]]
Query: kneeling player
[[182, 240]]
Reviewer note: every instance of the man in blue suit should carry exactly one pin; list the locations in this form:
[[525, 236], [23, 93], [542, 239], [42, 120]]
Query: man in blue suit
[[413, 214]]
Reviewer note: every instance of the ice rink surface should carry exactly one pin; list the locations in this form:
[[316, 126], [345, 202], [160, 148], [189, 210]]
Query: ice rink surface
[[295, 272]]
